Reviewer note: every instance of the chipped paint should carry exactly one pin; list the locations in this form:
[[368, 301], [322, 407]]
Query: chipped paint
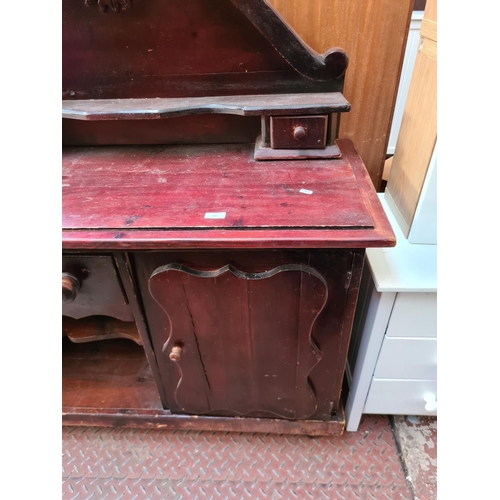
[[417, 438]]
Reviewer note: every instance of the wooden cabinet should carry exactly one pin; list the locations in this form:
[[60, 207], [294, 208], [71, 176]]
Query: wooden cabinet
[[258, 333], [214, 224], [234, 319]]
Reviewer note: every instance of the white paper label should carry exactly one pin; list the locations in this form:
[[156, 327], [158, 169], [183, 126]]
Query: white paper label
[[215, 215], [305, 191]]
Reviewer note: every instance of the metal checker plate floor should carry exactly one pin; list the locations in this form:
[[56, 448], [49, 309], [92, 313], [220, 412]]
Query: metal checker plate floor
[[114, 463]]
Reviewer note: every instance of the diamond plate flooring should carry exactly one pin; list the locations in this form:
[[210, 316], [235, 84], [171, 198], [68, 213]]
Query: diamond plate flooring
[[113, 463]]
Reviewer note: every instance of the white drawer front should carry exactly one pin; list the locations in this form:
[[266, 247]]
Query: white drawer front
[[407, 359], [414, 315], [401, 397]]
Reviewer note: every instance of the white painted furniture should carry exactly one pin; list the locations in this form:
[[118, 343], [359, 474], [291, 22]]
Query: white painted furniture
[[393, 354]]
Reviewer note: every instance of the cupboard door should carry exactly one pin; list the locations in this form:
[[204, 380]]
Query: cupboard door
[[242, 334]]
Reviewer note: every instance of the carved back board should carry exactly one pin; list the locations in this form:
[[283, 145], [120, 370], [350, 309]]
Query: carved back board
[[124, 49]]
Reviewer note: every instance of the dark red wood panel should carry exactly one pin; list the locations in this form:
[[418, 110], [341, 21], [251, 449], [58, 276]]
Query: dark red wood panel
[[158, 38], [205, 187], [222, 239], [199, 129], [247, 356], [172, 48], [77, 173], [237, 331]]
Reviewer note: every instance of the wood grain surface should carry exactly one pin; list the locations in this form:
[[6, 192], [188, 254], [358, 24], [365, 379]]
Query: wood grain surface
[[240, 355], [206, 187], [185, 48], [198, 314], [418, 133], [253, 105], [153, 418], [110, 374], [131, 195], [374, 36], [97, 328]]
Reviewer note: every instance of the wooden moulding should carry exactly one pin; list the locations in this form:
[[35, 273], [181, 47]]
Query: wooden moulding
[[266, 153], [247, 105], [95, 328], [285, 40], [164, 419]]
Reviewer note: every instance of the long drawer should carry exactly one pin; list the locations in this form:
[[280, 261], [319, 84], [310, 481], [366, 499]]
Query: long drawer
[[401, 397], [405, 358]]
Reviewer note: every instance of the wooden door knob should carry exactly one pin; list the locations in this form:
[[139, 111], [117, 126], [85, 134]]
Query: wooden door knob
[[299, 132], [175, 353], [70, 287]]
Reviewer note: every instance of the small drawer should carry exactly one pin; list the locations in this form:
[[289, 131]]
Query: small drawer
[[407, 359], [298, 132], [402, 397], [91, 287], [414, 315]]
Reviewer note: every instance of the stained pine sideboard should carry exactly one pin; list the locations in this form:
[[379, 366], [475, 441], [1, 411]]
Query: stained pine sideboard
[[242, 316], [214, 225]]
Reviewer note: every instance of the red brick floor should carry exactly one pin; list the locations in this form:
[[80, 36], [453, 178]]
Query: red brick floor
[[112, 463]]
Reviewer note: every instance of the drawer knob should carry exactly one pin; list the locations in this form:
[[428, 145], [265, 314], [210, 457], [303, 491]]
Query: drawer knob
[[299, 132], [430, 402], [70, 287], [175, 353]]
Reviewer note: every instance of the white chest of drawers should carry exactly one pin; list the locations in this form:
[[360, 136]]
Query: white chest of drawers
[[392, 363]]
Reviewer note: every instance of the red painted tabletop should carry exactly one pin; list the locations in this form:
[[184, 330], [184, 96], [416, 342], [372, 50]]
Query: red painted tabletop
[[216, 195]]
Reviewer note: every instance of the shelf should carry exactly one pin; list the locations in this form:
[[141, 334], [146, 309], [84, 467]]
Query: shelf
[[247, 105], [97, 328], [111, 374], [110, 383]]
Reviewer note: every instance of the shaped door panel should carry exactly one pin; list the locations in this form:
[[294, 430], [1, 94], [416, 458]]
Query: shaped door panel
[[254, 334], [240, 354]]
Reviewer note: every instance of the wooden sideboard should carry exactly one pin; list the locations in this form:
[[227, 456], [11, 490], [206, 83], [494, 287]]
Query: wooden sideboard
[[214, 225]]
